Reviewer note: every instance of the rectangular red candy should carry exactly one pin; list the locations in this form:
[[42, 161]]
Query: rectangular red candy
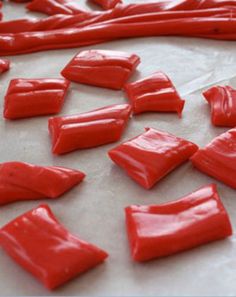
[[154, 93], [90, 129], [150, 156], [24, 181], [34, 97], [218, 158], [43, 247], [223, 105], [101, 68], [156, 231]]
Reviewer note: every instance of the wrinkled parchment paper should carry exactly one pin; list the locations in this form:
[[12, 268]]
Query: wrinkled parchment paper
[[94, 209]]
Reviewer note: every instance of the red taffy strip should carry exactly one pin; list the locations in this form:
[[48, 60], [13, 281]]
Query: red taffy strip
[[34, 97], [161, 230], [223, 105], [23, 181], [154, 93], [43, 247], [150, 156], [90, 129], [101, 68], [218, 158]]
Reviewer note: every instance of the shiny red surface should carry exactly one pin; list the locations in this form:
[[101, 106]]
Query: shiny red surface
[[51, 7], [156, 231], [121, 14], [150, 156], [107, 4], [34, 97], [24, 181], [218, 158], [154, 93], [222, 101], [4, 65], [43, 247], [101, 68], [90, 129]]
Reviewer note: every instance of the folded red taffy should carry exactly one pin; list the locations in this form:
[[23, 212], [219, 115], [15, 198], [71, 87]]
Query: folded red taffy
[[34, 97], [43, 247], [162, 230], [154, 93], [90, 129], [4, 65], [51, 7], [107, 4], [150, 156], [23, 181], [223, 105], [101, 68], [218, 158]]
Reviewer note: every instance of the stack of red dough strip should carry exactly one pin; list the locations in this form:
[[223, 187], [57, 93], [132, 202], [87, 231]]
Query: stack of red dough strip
[[165, 18]]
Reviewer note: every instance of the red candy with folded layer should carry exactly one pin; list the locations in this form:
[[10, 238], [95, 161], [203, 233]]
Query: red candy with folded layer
[[218, 159], [107, 4], [90, 129], [43, 247], [154, 93], [101, 68], [223, 105], [156, 231], [34, 97], [150, 156], [23, 181]]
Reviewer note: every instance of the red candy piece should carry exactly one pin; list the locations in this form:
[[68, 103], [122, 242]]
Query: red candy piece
[[51, 7], [218, 159], [23, 181], [43, 247], [223, 105], [150, 156], [90, 129], [107, 4], [34, 97], [161, 230], [154, 93], [4, 65], [101, 68]]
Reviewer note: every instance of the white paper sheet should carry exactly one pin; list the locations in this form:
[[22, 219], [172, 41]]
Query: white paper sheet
[[94, 209]]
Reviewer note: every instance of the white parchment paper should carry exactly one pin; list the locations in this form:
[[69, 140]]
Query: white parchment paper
[[95, 209]]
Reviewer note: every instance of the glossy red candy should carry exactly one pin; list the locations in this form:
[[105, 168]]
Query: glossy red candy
[[218, 158], [90, 129], [43, 247], [23, 181], [4, 65], [101, 68], [34, 97], [161, 230], [223, 105], [107, 4], [154, 93], [51, 7], [150, 156]]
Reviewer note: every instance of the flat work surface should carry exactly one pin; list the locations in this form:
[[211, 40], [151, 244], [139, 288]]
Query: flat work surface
[[94, 209]]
